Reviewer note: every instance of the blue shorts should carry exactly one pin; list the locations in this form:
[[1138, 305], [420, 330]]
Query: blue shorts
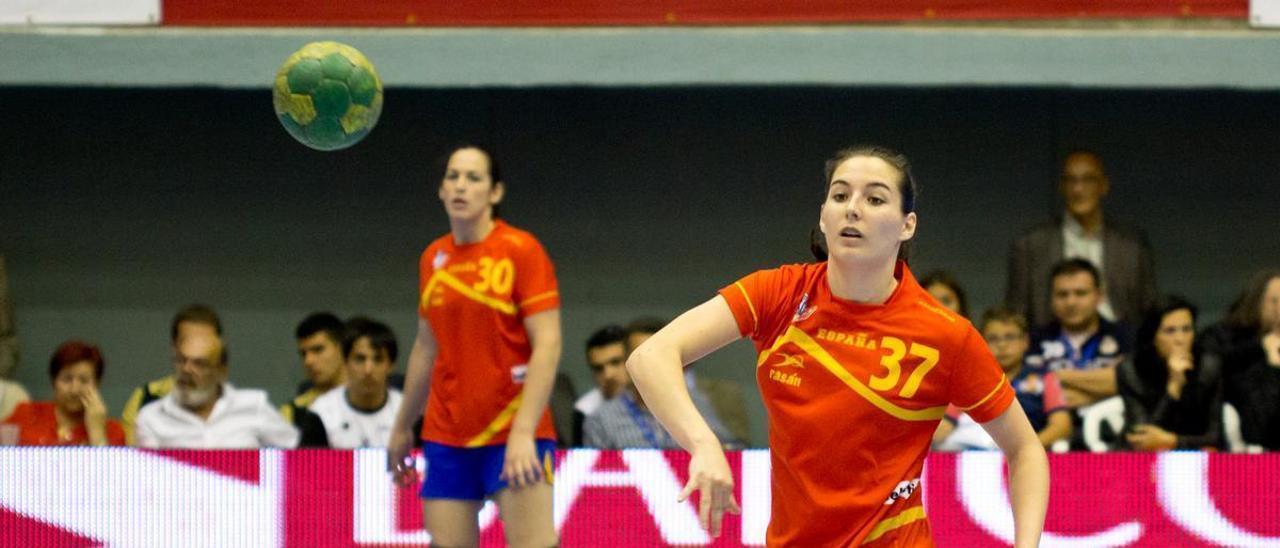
[[471, 473]]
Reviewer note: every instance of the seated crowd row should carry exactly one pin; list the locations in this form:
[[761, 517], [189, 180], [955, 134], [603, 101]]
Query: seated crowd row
[[1090, 383], [349, 400], [1167, 387]]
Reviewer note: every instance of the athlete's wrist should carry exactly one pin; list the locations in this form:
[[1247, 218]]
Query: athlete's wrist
[[705, 443], [522, 433]]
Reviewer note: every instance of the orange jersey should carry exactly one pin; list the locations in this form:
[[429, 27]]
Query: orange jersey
[[476, 297], [854, 393]]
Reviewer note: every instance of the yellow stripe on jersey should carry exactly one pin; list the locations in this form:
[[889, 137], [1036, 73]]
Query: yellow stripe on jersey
[[499, 423], [812, 348], [755, 320], [889, 524], [548, 473], [1003, 381], [776, 344], [505, 307], [539, 297]]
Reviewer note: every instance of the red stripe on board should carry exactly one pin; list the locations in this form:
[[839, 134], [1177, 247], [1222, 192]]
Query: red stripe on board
[[505, 13], [239, 464], [17, 529]]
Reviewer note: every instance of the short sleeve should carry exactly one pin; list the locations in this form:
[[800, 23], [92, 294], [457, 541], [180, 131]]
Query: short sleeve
[[425, 271], [536, 289], [754, 302], [978, 385]]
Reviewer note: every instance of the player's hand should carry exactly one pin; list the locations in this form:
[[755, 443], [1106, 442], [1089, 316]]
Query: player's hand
[[520, 466], [399, 462], [1148, 437], [709, 475]]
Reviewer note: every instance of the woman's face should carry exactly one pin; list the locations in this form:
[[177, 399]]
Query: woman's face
[[72, 381], [945, 296], [1269, 308], [467, 191], [1176, 333], [862, 217]]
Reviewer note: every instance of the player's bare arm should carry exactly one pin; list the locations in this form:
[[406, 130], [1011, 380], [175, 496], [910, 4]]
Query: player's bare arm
[[1028, 472], [655, 368], [417, 385], [521, 466]]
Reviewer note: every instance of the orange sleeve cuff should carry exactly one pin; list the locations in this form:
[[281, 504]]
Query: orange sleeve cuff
[[542, 302], [994, 404], [741, 307]]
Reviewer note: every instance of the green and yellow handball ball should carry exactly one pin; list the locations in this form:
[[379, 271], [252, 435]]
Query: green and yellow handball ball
[[327, 95]]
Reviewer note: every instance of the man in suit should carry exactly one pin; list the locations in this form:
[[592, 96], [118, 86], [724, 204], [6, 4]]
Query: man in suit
[[1120, 252]]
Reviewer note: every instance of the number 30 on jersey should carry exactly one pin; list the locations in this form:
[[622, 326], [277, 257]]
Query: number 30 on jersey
[[497, 276]]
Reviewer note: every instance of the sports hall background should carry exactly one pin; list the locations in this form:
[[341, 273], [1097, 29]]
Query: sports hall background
[[143, 170]]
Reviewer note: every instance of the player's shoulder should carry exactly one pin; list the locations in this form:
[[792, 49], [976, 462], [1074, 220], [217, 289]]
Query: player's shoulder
[[929, 316], [514, 238], [437, 244], [799, 274]]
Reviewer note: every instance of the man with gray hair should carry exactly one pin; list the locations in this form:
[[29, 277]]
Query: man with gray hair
[[204, 411]]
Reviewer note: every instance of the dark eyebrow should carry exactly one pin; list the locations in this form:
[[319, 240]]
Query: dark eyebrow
[[880, 184]]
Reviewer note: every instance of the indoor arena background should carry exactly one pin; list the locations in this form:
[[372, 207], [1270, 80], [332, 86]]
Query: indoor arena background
[[658, 152]]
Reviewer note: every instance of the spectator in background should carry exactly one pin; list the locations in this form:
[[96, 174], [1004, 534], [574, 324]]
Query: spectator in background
[[1079, 346], [623, 421], [361, 413], [8, 340], [319, 338], [942, 285], [1172, 400], [11, 394], [1120, 253], [204, 411], [1247, 343], [1039, 393], [721, 398], [193, 319], [607, 359], [77, 415]]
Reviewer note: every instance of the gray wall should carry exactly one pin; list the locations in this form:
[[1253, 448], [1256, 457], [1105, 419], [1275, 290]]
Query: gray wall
[[117, 206]]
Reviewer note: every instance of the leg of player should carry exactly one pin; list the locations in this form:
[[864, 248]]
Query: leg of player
[[453, 523], [527, 517]]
